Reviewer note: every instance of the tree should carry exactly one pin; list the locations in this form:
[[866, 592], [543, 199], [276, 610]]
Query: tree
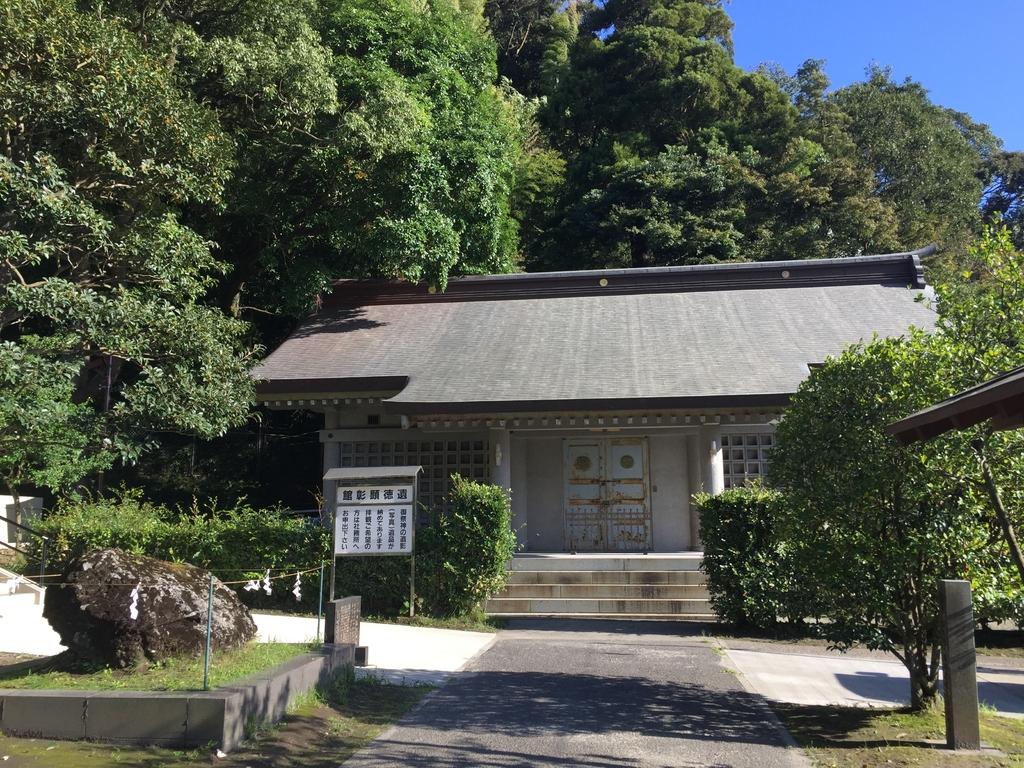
[[371, 140], [652, 100], [101, 312], [925, 158], [873, 525], [981, 325], [529, 34], [1003, 174]]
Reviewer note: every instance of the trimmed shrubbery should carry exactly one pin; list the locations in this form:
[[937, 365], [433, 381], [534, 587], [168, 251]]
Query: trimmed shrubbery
[[744, 557], [467, 548], [460, 557], [226, 541]]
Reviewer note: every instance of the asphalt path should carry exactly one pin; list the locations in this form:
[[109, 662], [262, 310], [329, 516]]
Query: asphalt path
[[598, 694]]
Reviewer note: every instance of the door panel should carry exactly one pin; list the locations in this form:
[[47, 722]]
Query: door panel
[[606, 495], [584, 510]]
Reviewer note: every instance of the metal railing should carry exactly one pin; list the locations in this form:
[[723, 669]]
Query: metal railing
[[43, 547]]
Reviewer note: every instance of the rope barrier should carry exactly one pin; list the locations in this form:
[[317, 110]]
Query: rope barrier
[[287, 574]]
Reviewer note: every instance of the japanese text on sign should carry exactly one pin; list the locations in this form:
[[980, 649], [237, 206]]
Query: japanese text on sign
[[374, 520]]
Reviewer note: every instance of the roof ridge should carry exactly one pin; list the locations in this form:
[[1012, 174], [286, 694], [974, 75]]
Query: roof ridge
[[890, 269]]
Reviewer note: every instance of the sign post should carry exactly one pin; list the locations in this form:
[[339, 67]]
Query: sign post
[[959, 673], [375, 514]]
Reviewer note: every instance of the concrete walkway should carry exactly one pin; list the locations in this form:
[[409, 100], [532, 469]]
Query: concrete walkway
[[831, 678], [398, 654], [401, 655], [600, 694]]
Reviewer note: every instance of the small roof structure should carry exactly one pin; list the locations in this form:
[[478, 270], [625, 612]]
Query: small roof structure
[[696, 336], [1000, 399], [371, 473]]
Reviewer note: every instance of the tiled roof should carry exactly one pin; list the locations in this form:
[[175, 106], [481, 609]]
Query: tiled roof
[[687, 335]]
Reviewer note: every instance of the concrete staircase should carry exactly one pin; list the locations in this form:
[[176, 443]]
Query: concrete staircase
[[655, 586]]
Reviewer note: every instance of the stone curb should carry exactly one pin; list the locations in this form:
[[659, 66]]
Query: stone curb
[[171, 718]]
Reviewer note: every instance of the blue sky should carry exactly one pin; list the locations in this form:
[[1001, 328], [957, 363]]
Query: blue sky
[[967, 53]]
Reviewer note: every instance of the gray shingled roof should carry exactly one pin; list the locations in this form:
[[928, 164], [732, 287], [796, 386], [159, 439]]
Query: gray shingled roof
[[688, 345]]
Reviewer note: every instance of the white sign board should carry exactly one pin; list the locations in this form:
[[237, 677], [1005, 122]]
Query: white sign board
[[374, 520]]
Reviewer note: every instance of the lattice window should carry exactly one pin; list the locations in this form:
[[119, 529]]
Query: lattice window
[[745, 457], [440, 459]]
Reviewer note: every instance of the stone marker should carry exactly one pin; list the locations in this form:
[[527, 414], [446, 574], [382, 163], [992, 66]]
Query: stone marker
[[959, 672], [343, 616], [99, 621]]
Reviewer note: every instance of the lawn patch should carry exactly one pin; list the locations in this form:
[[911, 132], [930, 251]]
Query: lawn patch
[[179, 674], [855, 737]]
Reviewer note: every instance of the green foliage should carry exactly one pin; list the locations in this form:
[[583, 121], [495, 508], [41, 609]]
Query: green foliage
[[677, 156], [745, 560], [530, 35], [1003, 173], [925, 158], [102, 282], [878, 524], [235, 543], [467, 548], [461, 557]]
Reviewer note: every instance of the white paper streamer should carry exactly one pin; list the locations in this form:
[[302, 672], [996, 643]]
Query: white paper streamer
[[133, 609], [266, 581], [252, 585], [12, 585], [297, 589]]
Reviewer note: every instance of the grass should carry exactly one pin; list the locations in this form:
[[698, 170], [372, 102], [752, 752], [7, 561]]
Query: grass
[[180, 674], [850, 737], [321, 733], [472, 622]]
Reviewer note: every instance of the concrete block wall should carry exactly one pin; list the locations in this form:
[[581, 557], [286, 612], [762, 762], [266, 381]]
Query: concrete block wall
[[171, 718]]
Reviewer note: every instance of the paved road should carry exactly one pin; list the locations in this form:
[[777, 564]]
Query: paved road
[[593, 694]]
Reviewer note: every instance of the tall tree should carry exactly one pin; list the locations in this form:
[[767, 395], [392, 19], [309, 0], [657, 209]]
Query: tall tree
[[101, 315], [676, 155], [925, 158], [372, 141]]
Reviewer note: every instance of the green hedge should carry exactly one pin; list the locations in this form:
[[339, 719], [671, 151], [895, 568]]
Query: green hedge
[[229, 542], [460, 557], [466, 550], [744, 559]]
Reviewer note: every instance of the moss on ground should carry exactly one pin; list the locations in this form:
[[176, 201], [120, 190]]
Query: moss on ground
[[849, 737], [180, 674]]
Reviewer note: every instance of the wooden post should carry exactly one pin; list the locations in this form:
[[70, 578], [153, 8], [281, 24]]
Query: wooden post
[[959, 672]]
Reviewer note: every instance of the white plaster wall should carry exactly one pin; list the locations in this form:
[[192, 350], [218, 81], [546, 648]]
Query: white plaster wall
[[545, 529], [670, 493], [31, 509]]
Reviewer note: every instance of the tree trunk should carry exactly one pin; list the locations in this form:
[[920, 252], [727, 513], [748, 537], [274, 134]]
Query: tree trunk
[[924, 677], [1003, 516]]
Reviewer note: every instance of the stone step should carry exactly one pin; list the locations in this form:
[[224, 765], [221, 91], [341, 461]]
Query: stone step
[[572, 606], [701, 618], [606, 591], [688, 561], [606, 577]]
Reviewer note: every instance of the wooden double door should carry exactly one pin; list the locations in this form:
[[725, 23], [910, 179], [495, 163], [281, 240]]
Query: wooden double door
[[607, 495]]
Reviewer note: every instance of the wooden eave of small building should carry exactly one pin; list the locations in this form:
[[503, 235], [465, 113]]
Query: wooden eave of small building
[[999, 400]]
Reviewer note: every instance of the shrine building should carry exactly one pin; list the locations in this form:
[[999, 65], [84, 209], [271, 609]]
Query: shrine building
[[603, 399]]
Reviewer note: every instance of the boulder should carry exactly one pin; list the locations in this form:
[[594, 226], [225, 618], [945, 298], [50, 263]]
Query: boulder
[[100, 622]]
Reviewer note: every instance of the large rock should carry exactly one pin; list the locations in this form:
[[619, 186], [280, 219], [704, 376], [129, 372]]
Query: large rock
[[93, 613]]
